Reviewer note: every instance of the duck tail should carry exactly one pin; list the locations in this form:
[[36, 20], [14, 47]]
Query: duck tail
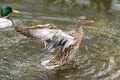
[[23, 31]]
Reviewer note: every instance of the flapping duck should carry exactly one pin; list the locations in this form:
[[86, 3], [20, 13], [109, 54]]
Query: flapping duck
[[53, 37]]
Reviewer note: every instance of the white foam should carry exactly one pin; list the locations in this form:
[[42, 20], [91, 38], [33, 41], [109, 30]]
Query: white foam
[[44, 63]]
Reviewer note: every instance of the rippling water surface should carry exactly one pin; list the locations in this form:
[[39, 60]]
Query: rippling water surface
[[98, 57]]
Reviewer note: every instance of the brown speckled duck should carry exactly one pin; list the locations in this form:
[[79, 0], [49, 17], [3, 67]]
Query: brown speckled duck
[[53, 37]]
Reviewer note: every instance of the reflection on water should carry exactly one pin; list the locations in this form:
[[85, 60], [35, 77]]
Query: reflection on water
[[98, 57]]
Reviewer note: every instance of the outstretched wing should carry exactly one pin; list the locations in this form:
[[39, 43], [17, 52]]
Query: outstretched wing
[[31, 31], [50, 35]]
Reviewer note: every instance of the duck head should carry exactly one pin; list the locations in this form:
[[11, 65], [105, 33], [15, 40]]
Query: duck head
[[85, 20], [5, 11]]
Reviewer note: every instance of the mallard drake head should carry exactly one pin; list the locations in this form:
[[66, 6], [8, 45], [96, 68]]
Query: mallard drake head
[[85, 20], [5, 11]]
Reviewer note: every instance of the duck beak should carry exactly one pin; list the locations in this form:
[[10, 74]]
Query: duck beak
[[90, 21], [15, 11]]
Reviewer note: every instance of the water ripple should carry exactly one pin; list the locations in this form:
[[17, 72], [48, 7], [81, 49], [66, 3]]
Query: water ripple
[[111, 66]]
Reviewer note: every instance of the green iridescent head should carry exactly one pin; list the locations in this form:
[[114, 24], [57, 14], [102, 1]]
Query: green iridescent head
[[7, 10]]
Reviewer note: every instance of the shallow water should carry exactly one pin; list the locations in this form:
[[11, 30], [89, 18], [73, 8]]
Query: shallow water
[[98, 57]]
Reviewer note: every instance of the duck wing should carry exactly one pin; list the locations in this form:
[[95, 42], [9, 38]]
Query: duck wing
[[34, 30], [71, 33], [49, 34]]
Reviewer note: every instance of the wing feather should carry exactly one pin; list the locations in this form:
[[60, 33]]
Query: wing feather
[[51, 37]]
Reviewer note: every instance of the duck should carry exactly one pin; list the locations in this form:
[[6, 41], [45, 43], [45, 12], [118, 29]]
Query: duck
[[53, 38], [5, 20]]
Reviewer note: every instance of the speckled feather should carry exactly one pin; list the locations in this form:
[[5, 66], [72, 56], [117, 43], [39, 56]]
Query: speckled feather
[[49, 34]]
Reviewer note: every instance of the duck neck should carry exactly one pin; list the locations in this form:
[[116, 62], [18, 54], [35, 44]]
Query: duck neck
[[79, 27], [7, 17]]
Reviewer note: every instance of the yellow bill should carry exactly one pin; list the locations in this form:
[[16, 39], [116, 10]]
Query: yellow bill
[[15, 11]]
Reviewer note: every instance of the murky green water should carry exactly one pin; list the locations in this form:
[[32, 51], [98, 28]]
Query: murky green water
[[99, 54]]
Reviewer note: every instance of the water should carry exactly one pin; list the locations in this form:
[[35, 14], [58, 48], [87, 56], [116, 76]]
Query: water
[[98, 57]]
